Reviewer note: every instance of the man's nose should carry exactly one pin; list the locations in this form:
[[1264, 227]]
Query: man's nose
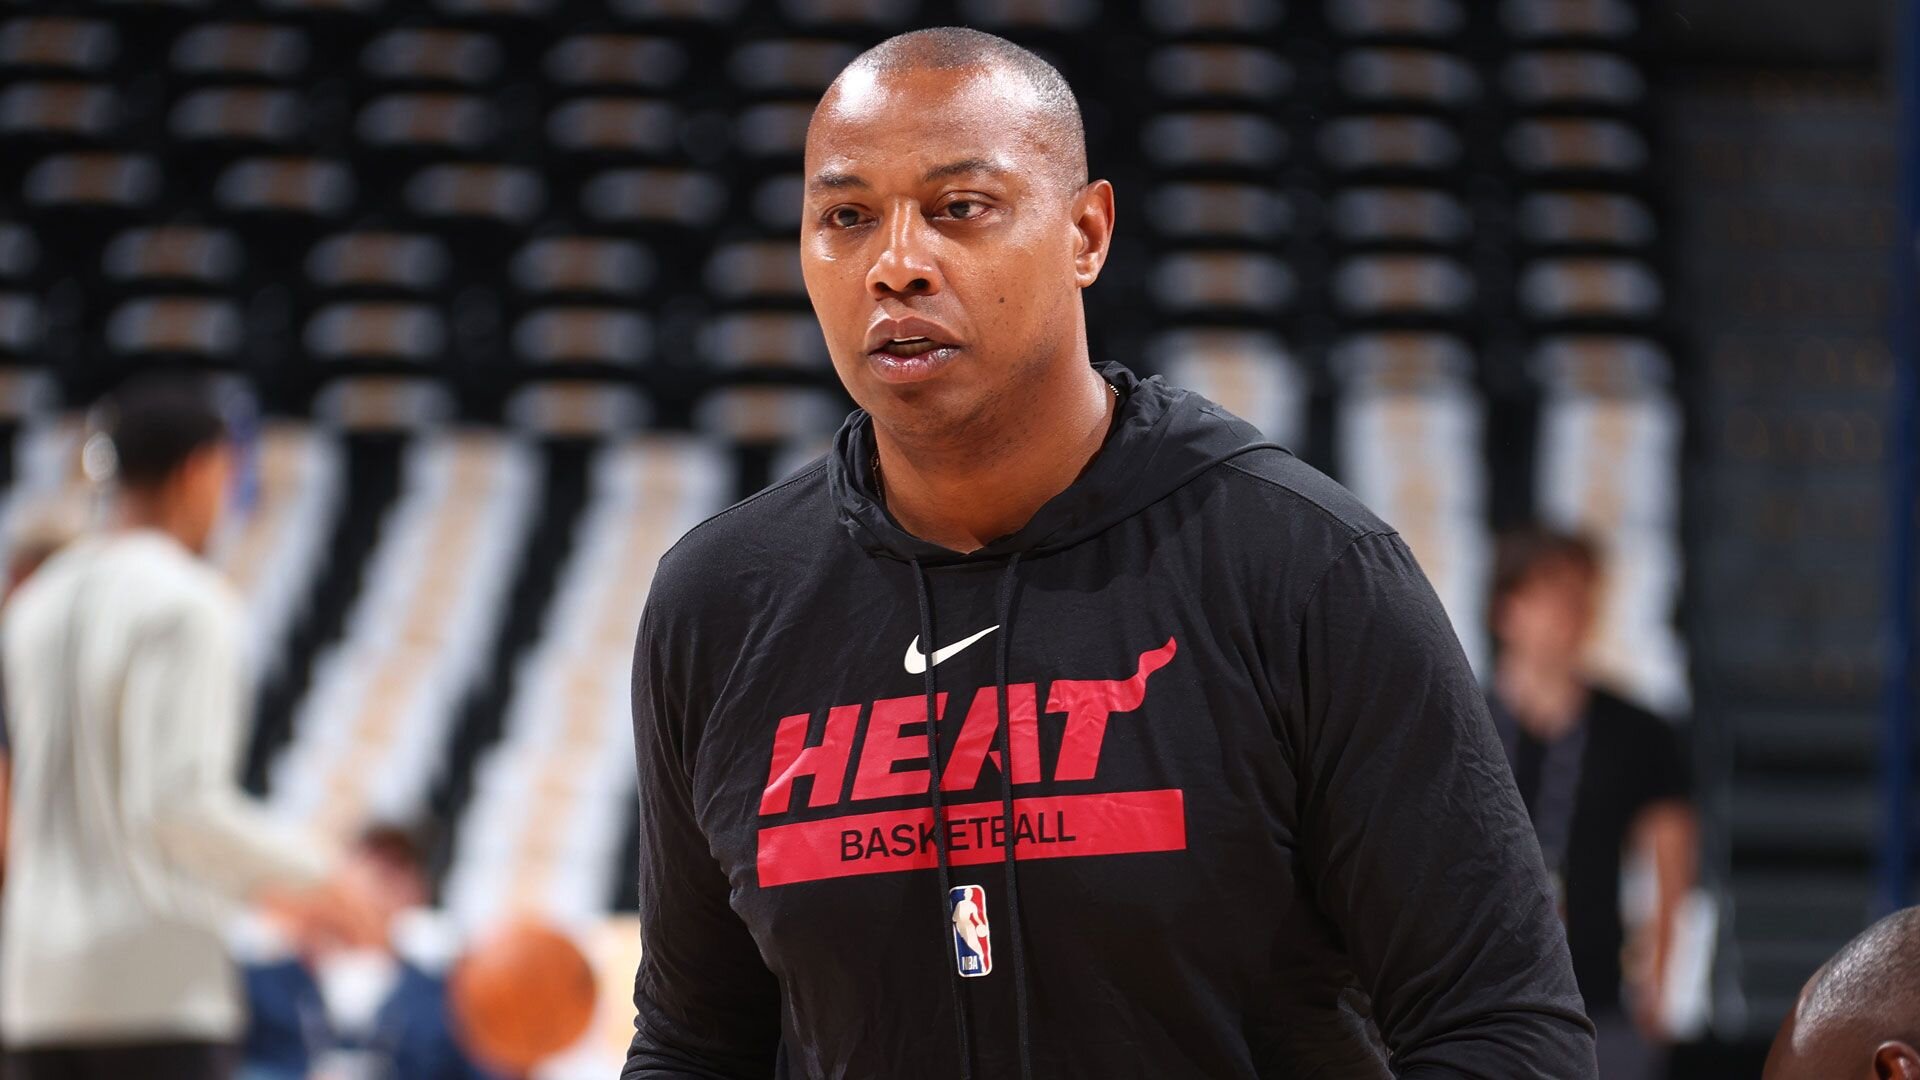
[[905, 266]]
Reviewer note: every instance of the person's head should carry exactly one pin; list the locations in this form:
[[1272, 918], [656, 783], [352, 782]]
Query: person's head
[[1545, 592], [172, 464], [1859, 1016], [387, 866], [947, 199]]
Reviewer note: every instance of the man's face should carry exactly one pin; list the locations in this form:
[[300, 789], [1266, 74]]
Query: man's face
[[942, 244], [1552, 612], [200, 490]]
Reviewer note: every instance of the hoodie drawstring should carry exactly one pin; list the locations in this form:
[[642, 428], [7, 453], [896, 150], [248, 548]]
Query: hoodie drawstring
[[1007, 580], [1004, 736], [939, 823]]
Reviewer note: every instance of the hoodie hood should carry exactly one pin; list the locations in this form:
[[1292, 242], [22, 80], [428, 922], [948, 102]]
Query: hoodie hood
[[1162, 437]]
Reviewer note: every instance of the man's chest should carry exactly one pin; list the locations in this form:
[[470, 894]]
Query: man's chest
[[1131, 718]]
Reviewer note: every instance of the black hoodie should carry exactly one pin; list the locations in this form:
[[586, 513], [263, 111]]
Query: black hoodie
[[1261, 818]]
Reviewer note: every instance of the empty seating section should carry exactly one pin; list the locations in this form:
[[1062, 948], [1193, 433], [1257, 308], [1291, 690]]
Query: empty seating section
[[551, 801], [372, 731]]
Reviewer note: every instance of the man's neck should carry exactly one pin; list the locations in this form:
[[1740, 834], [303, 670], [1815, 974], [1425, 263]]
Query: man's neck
[[137, 513], [964, 497], [1547, 695]]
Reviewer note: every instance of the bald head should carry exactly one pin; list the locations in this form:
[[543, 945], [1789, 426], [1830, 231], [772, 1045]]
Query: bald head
[[1859, 1016], [1037, 86]]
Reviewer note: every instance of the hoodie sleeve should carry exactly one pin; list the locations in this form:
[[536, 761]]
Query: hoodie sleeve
[[1415, 838], [705, 1005]]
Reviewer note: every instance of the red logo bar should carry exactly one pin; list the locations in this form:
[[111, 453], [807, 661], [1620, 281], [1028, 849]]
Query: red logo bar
[[1045, 827]]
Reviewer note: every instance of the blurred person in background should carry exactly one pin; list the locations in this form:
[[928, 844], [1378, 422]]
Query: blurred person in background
[[1601, 778], [1858, 1018], [375, 1009], [129, 837], [41, 531]]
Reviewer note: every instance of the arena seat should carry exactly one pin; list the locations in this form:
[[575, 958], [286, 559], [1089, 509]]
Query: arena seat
[[1374, 286], [615, 60], [1222, 281], [757, 415], [1555, 217], [1400, 216], [49, 44], [1574, 77], [1416, 19], [1241, 140], [1233, 72], [1415, 144], [436, 55], [1213, 16], [241, 50], [1386, 77], [1220, 211], [405, 263], [1248, 372]]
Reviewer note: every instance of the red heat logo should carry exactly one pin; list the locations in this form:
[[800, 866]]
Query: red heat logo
[[1044, 827]]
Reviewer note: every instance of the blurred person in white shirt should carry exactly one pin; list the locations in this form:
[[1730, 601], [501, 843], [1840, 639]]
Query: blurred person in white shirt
[[130, 843], [42, 529]]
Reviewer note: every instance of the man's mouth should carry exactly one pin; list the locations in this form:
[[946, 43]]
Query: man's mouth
[[907, 348]]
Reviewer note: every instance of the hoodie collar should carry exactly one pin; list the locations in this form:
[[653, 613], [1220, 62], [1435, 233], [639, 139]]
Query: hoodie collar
[[1162, 436]]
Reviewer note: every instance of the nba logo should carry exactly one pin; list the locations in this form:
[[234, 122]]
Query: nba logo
[[971, 948]]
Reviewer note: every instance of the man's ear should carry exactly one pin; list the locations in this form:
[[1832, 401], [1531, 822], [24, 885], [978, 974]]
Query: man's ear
[[1896, 1061], [1093, 226]]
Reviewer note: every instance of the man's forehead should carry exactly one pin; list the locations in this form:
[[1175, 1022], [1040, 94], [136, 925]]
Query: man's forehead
[[982, 112], [866, 89]]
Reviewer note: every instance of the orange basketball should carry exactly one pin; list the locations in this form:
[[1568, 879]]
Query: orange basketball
[[520, 995]]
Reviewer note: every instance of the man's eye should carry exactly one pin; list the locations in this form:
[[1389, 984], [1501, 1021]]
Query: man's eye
[[846, 217], [962, 209]]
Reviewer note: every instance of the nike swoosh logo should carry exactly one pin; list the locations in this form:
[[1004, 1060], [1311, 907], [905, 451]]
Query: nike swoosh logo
[[917, 663]]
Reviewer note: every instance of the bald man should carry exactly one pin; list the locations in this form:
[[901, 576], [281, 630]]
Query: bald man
[[1163, 714], [1859, 1016]]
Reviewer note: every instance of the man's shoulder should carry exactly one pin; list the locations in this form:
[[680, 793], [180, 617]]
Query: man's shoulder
[[139, 580], [178, 582], [766, 530], [1292, 495], [155, 582]]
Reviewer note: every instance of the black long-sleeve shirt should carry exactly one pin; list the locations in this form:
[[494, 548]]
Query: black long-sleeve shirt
[[1256, 795]]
